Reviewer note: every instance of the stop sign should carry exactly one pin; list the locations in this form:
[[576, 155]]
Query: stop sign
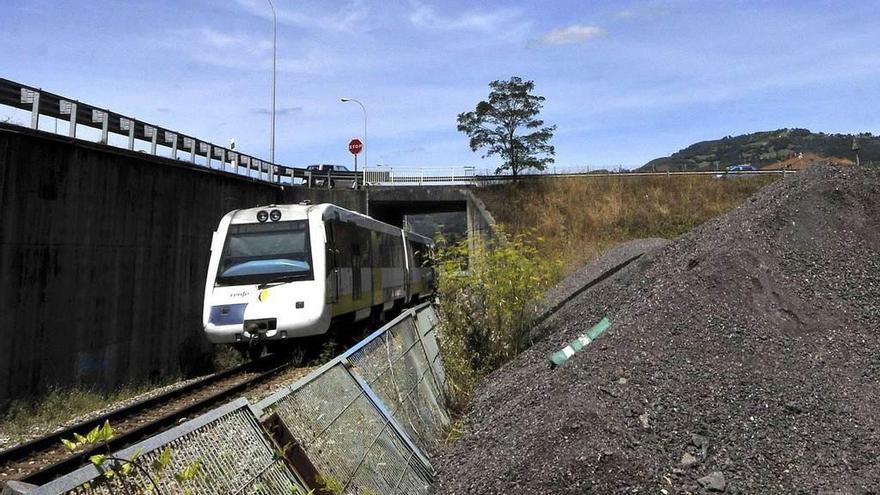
[[355, 146]]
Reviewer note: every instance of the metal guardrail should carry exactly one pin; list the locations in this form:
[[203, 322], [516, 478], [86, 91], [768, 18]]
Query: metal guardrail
[[77, 114], [365, 422]]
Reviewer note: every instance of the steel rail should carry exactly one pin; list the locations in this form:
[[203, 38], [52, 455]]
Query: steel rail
[[68, 464], [40, 445], [24, 450]]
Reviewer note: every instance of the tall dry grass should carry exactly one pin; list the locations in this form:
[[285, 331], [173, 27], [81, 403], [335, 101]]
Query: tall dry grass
[[582, 217]]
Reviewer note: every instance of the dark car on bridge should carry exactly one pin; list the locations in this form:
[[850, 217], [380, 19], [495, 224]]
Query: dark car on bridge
[[321, 174]]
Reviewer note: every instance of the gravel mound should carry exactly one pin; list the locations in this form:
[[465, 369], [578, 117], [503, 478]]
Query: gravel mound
[[592, 273], [742, 358]]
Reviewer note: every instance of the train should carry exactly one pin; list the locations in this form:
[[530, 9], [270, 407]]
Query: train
[[279, 273]]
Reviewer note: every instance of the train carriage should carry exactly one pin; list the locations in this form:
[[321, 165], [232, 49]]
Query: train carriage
[[281, 272]]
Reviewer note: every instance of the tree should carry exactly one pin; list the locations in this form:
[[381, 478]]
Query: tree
[[507, 125]]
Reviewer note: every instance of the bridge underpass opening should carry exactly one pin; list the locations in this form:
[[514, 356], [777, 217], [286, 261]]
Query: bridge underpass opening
[[426, 218], [452, 225], [427, 207]]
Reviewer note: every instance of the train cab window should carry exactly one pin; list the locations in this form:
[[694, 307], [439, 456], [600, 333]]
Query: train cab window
[[266, 252]]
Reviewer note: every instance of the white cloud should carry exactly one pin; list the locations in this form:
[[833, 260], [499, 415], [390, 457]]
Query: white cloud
[[498, 21], [647, 11], [229, 49], [233, 41], [244, 51], [572, 34], [344, 17]]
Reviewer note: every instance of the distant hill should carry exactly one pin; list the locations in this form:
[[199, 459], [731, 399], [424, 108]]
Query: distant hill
[[767, 148]]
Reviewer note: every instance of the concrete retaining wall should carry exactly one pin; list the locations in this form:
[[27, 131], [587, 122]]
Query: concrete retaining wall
[[103, 254]]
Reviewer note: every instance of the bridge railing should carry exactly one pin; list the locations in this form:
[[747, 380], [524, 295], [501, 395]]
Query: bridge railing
[[715, 173], [419, 176], [138, 135], [467, 175]]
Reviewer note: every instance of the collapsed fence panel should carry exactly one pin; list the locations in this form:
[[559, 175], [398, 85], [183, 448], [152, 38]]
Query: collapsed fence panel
[[348, 438], [400, 367], [231, 450], [367, 418]]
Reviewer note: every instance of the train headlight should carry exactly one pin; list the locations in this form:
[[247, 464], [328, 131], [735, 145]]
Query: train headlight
[[262, 216], [275, 215]]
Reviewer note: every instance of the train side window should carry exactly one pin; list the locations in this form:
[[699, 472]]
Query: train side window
[[419, 255], [356, 271]]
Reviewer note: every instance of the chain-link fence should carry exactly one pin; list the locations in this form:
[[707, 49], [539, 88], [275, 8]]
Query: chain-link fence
[[364, 422], [402, 366], [367, 418], [232, 452]]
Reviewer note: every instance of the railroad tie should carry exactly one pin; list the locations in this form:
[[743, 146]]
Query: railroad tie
[[579, 343]]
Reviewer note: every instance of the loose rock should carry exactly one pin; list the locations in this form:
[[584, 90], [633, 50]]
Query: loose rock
[[714, 481], [687, 460]]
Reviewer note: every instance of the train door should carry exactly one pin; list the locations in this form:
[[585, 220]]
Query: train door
[[332, 295]]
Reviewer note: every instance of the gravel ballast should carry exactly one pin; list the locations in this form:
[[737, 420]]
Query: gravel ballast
[[742, 358]]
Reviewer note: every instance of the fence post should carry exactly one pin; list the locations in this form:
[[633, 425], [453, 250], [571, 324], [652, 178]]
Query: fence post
[[171, 137], [32, 97], [128, 125], [104, 118], [69, 108], [152, 133]]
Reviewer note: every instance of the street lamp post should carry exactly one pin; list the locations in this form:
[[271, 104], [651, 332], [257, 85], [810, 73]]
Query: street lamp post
[[274, 47], [366, 146]]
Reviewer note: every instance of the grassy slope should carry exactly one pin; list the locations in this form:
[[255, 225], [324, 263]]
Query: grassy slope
[[580, 218]]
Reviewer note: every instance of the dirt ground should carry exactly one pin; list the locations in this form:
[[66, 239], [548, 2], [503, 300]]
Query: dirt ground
[[742, 358]]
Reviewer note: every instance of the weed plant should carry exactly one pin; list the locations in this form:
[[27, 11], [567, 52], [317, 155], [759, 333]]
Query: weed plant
[[486, 298]]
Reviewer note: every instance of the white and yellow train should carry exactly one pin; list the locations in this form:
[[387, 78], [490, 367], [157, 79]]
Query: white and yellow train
[[281, 272]]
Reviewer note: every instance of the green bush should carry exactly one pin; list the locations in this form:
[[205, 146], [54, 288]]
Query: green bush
[[486, 297]]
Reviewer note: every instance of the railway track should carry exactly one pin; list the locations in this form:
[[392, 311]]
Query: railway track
[[42, 459]]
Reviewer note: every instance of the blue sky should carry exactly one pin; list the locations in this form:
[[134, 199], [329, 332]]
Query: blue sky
[[625, 81]]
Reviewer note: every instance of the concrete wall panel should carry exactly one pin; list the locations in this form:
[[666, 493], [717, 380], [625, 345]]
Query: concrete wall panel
[[103, 255]]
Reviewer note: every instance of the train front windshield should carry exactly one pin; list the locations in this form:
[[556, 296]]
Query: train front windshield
[[266, 252]]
